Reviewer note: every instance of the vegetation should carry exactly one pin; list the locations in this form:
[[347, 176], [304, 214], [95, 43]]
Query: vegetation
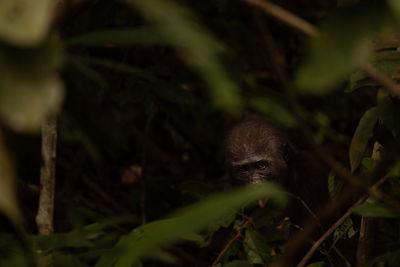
[[144, 92]]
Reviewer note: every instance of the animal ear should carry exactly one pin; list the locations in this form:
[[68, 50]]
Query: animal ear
[[286, 152]]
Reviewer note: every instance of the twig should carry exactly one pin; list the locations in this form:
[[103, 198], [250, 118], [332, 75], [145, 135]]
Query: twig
[[285, 16], [337, 224], [238, 235], [45, 214], [378, 76]]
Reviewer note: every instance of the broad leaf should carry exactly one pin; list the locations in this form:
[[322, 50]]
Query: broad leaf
[[375, 210], [144, 240], [361, 137]]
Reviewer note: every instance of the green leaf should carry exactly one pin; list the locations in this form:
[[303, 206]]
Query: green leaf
[[368, 163], [274, 110], [335, 185], [30, 88], [317, 264], [361, 137], [144, 35], [257, 248], [344, 230], [375, 210], [198, 48], [24, 22], [142, 241], [343, 45]]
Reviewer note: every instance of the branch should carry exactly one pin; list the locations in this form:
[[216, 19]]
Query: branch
[[285, 16], [336, 225], [45, 214]]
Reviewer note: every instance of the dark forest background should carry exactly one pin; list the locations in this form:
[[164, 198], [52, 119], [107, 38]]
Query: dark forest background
[[144, 92]]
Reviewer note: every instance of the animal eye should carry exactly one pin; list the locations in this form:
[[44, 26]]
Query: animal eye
[[261, 164]]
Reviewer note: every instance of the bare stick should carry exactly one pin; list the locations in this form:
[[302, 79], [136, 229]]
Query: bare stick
[[381, 78], [285, 16], [44, 217]]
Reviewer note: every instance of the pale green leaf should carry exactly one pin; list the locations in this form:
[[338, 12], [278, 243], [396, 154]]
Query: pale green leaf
[[25, 22], [30, 88]]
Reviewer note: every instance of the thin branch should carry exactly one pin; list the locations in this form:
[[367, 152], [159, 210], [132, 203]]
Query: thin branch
[[45, 214], [285, 16], [238, 235], [337, 224], [381, 78]]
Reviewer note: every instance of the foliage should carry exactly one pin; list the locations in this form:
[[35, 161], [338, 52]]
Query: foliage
[[144, 92]]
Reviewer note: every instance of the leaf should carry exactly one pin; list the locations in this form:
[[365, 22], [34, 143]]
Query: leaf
[[361, 137], [142, 241], [317, 264], [198, 48], [375, 210], [25, 22], [343, 45], [335, 185], [368, 163], [30, 88], [274, 110], [344, 230], [143, 35], [257, 248]]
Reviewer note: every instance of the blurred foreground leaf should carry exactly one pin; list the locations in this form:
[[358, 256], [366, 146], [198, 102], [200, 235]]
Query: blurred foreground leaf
[[30, 88], [361, 137], [274, 110], [144, 240], [25, 22], [342, 45], [198, 48], [375, 210]]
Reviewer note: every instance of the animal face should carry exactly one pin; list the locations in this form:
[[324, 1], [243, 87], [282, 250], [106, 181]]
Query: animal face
[[257, 152]]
